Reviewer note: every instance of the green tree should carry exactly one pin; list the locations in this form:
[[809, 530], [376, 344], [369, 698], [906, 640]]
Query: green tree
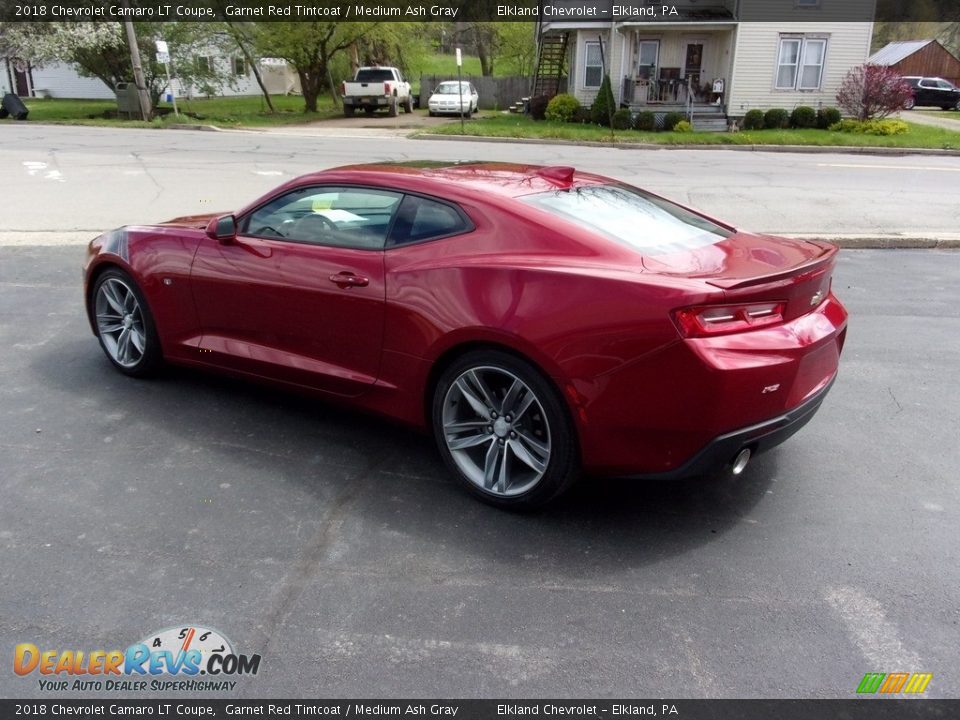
[[310, 47]]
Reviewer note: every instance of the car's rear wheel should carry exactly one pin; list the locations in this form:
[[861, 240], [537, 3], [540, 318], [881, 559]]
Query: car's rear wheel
[[348, 110], [124, 325], [392, 108], [408, 104], [504, 431], [910, 104]]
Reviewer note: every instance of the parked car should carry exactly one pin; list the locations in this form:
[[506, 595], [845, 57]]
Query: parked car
[[376, 88], [538, 321], [452, 96], [932, 91]]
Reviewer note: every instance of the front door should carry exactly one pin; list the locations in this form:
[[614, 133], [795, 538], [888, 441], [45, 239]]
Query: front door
[[648, 62], [299, 295], [693, 66]]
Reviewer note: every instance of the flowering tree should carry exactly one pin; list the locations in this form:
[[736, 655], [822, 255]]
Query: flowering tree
[[100, 50], [39, 43], [873, 91]]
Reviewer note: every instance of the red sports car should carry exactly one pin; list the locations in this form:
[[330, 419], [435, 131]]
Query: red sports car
[[540, 322]]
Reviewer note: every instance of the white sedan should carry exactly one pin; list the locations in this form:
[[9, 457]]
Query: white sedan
[[450, 97]]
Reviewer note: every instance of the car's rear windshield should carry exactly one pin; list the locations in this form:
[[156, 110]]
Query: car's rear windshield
[[452, 89], [632, 217], [374, 75]]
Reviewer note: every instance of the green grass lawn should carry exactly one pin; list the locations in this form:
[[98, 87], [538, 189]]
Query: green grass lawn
[[518, 126], [241, 111]]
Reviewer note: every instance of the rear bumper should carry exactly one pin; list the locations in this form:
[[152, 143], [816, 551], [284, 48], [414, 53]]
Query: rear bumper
[[373, 101], [720, 452]]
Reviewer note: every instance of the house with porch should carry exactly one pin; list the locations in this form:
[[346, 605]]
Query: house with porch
[[711, 59]]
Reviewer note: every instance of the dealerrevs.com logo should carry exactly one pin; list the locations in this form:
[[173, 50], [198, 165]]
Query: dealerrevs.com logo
[[188, 658]]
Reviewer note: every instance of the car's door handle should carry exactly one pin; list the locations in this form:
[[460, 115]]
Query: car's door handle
[[345, 279]]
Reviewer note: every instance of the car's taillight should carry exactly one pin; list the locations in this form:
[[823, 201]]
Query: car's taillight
[[386, 88], [343, 88], [722, 319]]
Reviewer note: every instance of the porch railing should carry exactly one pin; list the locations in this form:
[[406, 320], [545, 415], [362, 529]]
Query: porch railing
[[652, 92]]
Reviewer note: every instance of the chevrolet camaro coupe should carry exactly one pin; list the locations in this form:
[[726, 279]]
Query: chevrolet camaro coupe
[[540, 322]]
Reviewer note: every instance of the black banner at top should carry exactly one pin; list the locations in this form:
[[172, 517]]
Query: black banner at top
[[560, 12]]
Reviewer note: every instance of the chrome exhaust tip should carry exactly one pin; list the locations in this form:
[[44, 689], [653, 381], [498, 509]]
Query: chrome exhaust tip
[[740, 461]]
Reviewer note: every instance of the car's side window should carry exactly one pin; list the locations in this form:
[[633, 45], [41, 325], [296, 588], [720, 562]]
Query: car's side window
[[350, 217], [421, 218]]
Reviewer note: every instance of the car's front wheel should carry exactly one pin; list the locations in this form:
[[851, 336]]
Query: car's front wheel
[[910, 104], [124, 325], [504, 430]]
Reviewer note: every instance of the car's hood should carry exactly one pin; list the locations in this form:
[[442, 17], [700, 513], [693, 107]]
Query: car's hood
[[191, 221], [742, 259]]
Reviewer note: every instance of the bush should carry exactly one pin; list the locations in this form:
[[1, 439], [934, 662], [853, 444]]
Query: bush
[[622, 119], [683, 126], [873, 91], [562, 107], [581, 116], [776, 119], [604, 104], [872, 127], [645, 121], [753, 120], [671, 119], [803, 117], [538, 107], [827, 117]]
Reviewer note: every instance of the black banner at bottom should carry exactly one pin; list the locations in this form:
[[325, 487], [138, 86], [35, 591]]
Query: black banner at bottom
[[853, 709]]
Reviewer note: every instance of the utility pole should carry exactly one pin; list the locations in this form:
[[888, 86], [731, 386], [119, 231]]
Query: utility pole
[[138, 78]]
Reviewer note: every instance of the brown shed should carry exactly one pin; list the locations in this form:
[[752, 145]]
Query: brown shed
[[927, 58]]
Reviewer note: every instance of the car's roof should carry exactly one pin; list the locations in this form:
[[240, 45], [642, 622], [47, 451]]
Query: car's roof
[[503, 179]]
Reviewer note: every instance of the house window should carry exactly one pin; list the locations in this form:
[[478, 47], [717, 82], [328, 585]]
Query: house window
[[800, 63], [204, 64], [239, 66], [592, 65]]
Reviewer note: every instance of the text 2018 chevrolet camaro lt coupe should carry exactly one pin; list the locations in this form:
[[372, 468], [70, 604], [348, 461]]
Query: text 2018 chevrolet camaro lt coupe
[[540, 322]]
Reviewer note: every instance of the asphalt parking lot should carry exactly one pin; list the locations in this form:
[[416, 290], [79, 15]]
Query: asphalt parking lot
[[334, 545]]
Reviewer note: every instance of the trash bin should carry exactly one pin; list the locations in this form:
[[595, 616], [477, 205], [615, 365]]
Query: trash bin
[[13, 106], [128, 100]]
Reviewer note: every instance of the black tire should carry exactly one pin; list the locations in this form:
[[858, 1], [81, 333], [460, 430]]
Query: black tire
[[432, 113], [392, 107], [544, 419], [368, 111], [348, 110], [910, 104], [408, 104], [151, 357]]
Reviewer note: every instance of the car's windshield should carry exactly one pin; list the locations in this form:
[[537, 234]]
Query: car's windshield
[[452, 89], [644, 222]]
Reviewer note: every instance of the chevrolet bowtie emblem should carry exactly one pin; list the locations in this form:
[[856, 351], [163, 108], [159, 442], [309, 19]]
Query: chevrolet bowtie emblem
[[817, 297]]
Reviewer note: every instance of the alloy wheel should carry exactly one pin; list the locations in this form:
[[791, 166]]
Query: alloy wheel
[[120, 322], [496, 430]]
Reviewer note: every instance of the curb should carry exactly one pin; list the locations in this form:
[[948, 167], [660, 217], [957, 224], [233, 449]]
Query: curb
[[883, 242], [812, 149], [202, 128]]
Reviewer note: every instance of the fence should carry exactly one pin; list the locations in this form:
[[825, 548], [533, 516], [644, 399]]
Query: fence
[[496, 93]]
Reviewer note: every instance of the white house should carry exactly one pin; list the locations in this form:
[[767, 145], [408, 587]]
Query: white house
[[61, 80], [710, 60]]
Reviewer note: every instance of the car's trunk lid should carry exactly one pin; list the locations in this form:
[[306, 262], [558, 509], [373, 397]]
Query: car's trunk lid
[[756, 268]]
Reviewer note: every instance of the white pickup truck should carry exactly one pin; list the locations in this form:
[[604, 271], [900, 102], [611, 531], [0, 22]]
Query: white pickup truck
[[377, 88]]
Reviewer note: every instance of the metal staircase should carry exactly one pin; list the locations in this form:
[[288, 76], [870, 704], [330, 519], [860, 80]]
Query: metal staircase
[[551, 64]]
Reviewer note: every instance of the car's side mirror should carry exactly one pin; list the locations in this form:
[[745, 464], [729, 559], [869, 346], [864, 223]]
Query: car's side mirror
[[223, 229]]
